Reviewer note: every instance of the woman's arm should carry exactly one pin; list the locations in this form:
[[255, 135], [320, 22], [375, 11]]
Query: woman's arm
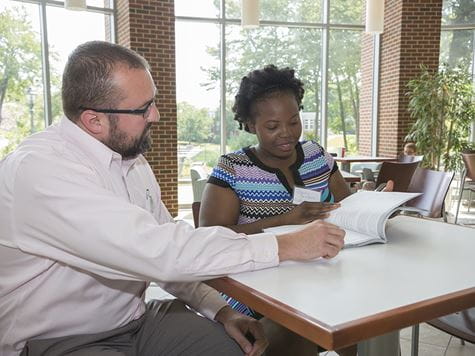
[[338, 186], [220, 206]]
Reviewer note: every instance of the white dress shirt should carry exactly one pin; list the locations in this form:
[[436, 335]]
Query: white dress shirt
[[82, 232]]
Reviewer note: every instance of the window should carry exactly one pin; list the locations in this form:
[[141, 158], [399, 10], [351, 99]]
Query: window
[[216, 53], [27, 102]]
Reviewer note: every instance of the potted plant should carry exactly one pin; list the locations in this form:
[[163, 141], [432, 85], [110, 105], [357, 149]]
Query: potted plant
[[442, 104]]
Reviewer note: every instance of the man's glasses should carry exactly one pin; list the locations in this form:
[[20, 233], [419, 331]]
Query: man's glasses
[[145, 112]]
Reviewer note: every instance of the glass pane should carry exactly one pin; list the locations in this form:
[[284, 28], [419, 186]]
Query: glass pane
[[60, 46], [458, 12], [347, 12], [456, 47], [281, 10], [197, 8], [296, 48], [21, 101], [343, 90], [197, 92]]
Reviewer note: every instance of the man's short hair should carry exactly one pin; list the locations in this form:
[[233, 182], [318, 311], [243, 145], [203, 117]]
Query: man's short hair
[[88, 76]]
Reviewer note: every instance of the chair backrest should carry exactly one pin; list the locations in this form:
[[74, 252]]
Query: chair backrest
[[198, 181], [434, 185], [195, 208], [469, 162], [400, 172], [408, 158]]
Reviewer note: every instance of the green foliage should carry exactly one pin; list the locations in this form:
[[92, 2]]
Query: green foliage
[[21, 71], [240, 140], [443, 106], [194, 125], [300, 49], [20, 55], [209, 155]]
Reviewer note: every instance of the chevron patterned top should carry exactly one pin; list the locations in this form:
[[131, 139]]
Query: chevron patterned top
[[264, 191]]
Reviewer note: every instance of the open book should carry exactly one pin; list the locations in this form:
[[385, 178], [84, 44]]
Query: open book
[[362, 215]]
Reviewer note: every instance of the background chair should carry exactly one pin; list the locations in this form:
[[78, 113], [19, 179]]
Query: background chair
[[468, 172], [408, 158], [400, 172], [359, 168], [198, 181], [434, 186], [460, 325]]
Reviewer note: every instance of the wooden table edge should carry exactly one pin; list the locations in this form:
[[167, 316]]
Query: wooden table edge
[[349, 333]]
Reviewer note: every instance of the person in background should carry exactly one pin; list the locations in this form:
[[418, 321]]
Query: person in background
[[410, 149], [256, 184], [83, 230]]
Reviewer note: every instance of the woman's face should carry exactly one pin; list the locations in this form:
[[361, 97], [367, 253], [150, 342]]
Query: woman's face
[[276, 123]]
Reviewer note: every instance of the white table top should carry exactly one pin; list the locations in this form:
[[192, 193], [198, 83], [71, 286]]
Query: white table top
[[427, 269]]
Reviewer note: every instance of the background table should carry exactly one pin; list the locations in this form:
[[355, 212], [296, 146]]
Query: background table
[[346, 161], [426, 270], [350, 178]]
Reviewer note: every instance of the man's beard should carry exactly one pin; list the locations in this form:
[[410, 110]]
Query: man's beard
[[118, 141]]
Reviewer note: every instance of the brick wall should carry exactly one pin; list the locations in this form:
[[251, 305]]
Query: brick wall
[[411, 37], [148, 27]]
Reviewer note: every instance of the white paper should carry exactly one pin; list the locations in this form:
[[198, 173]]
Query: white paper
[[303, 194]]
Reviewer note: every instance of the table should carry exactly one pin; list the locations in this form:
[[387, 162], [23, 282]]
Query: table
[[350, 177], [346, 161], [426, 270]]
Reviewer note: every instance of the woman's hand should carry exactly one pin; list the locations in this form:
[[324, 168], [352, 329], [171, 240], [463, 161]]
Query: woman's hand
[[307, 212]]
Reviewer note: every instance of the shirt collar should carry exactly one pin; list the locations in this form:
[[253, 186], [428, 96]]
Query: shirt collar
[[92, 147]]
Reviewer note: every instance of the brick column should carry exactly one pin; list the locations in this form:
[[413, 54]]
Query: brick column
[[411, 37], [148, 27]]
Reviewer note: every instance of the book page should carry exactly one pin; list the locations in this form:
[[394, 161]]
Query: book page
[[366, 212], [362, 215]]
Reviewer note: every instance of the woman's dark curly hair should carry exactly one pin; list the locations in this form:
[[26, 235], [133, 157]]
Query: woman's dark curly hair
[[263, 83]]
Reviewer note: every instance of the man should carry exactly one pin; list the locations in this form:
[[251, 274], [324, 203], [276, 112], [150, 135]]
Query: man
[[410, 149], [83, 230]]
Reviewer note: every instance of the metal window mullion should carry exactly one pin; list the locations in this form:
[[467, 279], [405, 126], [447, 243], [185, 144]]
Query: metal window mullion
[[375, 94], [472, 128], [324, 80], [222, 65], [45, 64]]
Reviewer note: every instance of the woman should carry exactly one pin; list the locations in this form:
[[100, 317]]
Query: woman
[[256, 184]]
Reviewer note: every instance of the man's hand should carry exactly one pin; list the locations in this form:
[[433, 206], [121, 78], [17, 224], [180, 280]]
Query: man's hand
[[317, 239], [238, 325]]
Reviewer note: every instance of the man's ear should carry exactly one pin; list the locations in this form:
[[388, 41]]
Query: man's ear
[[92, 122]]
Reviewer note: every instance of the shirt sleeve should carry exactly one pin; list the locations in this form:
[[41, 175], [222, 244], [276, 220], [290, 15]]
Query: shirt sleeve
[[199, 296], [63, 212], [223, 173]]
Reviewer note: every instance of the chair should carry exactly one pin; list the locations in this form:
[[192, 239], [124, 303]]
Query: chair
[[198, 181], [357, 168], [400, 172], [434, 185], [408, 158], [460, 325], [195, 209], [468, 172]]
